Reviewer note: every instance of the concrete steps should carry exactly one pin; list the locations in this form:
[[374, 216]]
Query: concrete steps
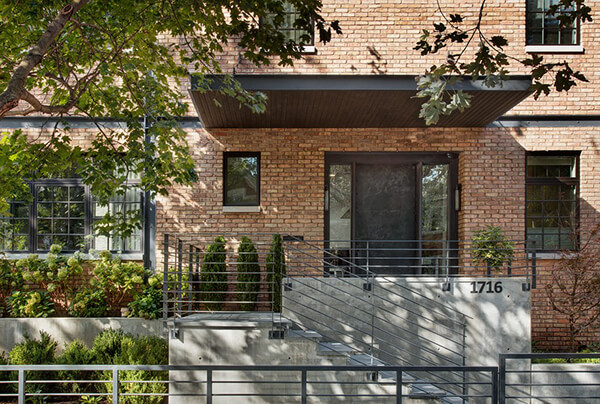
[[415, 389]]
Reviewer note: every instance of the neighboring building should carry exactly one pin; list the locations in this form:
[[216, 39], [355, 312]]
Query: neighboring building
[[341, 154]]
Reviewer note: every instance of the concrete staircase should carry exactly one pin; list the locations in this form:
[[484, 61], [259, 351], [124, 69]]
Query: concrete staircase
[[414, 389]]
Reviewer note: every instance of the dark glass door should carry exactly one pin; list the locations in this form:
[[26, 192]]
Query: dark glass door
[[390, 213], [385, 217]]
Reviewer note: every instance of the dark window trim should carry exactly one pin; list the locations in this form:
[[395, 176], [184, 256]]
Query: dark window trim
[[88, 215], [226, 155], [577, 28], [306, 48], [554, 181]]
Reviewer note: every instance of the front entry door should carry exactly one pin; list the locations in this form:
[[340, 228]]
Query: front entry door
[[390, 212], [386, 211]]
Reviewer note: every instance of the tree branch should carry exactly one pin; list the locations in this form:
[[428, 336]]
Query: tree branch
[[15, 90]]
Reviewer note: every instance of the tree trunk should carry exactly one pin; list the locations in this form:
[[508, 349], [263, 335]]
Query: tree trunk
[[9, 98]]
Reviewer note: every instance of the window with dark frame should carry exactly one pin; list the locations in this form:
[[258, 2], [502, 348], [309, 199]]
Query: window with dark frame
[[552, 200], [289, 30], [241, 179], [543, 29], [63, 211]]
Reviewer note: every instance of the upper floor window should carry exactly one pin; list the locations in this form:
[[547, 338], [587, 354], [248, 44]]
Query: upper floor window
[[289, 29], [552, 192], [241, 179], [543, 29], [63, 211]]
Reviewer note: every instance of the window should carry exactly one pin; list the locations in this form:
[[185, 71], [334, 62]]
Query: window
[[62, 211], [241, 179], [546, 30], [290, 32], [552, 191]]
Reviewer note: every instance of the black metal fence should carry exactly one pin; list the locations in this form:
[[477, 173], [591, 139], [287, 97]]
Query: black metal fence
[[240, 384]]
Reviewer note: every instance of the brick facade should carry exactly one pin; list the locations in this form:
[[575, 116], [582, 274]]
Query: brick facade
[[378, 39]]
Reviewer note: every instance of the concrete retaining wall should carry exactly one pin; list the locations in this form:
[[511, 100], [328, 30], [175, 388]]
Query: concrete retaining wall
[[67, 329], [555, 384], [407, 320]]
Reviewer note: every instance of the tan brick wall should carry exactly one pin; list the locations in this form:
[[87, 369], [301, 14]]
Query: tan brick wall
[[491, 172]]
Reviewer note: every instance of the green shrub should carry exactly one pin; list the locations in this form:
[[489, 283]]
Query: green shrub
[[77, 353], [117, 280], [57, 273], [34, 352], [276, 270], [491, 247], [213, 276], [30, 304], [7, 376], [11, 280], [248, 276], [89, 303], [119, 348], [147, 304]]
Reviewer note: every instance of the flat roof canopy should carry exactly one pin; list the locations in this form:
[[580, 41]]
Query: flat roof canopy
[[350, 101]]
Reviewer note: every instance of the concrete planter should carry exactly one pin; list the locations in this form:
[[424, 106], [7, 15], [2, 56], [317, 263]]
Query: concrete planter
[[66, 329]]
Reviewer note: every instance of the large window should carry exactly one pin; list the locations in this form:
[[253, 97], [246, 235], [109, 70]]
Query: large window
[[241, 182], [63, 211], [552, 191], [543, 29], [290, 31]]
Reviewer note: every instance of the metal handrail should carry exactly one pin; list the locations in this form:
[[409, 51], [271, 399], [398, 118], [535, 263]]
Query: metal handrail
[[297, 375]]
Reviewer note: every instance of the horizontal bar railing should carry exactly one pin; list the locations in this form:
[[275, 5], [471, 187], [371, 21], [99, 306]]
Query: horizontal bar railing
[[552, 378], [208, 383], [199, 278], [370, 323]]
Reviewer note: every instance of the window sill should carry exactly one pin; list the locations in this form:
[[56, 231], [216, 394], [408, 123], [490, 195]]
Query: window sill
[[241, 209], [554, 49], [550, 255], [308, 50]]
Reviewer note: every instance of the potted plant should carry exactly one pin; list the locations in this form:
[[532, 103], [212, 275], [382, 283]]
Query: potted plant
[[492, 248]]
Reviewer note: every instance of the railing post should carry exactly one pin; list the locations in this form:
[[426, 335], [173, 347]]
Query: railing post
[[501, 387], [494, 377], [303, 397], [166, 277], [399, 383], [21, 386], [115, 386], [190, 280], [534, 267], [179, 276], [209, 386]]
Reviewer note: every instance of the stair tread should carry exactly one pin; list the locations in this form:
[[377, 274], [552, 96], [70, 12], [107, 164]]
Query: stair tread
[[334, 348], [304, 334], [426, 389]]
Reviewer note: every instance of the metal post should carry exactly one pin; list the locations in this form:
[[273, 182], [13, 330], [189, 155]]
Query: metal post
[[209, 392], [399, 387], [115, 386], [303, 387], [534, 267], [190, 278], [166, 278], [494, 385], [501, 387], [21, 386], [368, 259], [179, 275]]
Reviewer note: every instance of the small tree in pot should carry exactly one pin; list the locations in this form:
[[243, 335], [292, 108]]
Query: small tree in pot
[[491, 247]]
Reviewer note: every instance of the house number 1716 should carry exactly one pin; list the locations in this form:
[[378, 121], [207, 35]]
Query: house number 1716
[[486, 286]]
